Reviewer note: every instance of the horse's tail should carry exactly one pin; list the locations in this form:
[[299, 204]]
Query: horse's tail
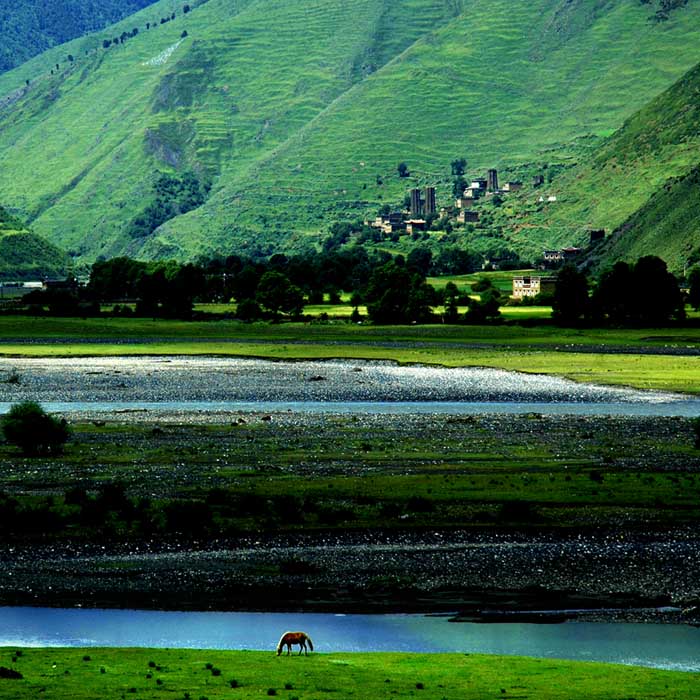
[[311, 644]]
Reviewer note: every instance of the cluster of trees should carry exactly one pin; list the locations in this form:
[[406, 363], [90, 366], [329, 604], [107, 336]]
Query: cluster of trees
[[106, 43], [172, 195], [643, 294], [393, 288]]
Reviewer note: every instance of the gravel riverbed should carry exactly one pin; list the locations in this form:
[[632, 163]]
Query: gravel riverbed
[[153, 379], [437, 570]]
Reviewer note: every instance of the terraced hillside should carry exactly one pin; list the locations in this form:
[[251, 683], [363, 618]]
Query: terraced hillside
[[29, 27], [641, 183], [290, 115]]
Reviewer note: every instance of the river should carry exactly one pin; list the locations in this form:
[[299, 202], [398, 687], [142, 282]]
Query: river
[[673, 647]]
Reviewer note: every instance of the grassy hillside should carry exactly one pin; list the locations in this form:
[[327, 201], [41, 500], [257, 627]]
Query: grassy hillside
[[24, 255], [298, 112], [642, 182], [667, 222], [29, 27]]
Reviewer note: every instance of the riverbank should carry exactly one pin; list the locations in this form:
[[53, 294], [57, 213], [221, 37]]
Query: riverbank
[[623, 357], [348, 512], [149, 673], [620, 576]]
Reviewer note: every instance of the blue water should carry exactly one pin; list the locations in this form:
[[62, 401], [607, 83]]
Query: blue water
[[684, 408], [661, 646]]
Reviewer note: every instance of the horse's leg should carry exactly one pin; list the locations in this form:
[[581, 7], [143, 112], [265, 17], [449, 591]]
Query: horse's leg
[[289, 648]]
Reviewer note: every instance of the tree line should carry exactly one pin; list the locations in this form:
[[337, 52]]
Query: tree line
[[393, 288]]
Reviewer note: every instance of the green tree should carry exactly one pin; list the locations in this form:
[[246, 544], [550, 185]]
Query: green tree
[[458, 186], [451, 297], [458, 166], [694, 287], [486, 309], [570, 302], [277, 294], [34, 431], [395, 294], [402, 169]]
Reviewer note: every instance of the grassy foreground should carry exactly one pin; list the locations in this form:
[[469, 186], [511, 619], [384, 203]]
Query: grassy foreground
[[197, 674]]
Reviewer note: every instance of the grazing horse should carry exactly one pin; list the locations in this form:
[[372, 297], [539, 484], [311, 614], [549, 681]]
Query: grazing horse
[[290, 638]]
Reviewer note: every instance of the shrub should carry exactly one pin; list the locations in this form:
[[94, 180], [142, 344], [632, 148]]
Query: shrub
[[33, 430], [10, 673], [695, 423]]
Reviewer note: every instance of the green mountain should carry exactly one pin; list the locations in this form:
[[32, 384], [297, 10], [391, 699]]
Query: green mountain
[[666, 224], [29, 27], [247, 125], [24, 255], [640, 183]]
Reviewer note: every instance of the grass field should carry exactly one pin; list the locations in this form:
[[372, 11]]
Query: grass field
[[76, 674]]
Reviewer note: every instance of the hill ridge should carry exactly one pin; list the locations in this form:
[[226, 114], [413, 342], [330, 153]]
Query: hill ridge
[[285, 107]]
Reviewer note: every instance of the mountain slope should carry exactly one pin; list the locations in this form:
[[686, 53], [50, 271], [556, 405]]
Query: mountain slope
[[641, 180], [298, 112], [666, 225], [24, 255], [29, 27]]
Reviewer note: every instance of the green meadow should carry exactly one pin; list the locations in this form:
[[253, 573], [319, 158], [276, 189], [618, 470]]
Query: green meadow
[[186, 674]]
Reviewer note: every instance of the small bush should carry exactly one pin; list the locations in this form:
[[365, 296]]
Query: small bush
[[86, 658], [288, 686], [34, 431], [10, 673], [234, 683], [216, 671], [419, 686], [151, 664], [271, 691]]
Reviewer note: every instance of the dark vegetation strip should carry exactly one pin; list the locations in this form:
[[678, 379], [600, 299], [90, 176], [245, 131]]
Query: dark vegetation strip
[[315, 473]]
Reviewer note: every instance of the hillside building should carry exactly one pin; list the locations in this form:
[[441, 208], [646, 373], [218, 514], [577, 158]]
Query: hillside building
[[429, 201], [416, 205], [422, 203], [512, 186], [464, 202], [415, 225], [466, 216], [531, 286], [492, 180]]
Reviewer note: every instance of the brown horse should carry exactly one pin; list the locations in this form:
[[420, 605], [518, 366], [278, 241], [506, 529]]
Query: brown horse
[[290, 638]]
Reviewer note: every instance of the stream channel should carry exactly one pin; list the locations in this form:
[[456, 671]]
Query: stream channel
[[672, 647]]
